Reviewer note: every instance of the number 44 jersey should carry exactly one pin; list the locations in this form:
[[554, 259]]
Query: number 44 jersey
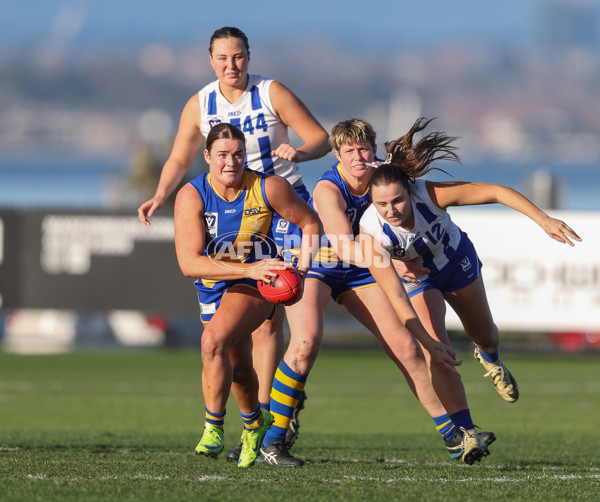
[[253, 113]]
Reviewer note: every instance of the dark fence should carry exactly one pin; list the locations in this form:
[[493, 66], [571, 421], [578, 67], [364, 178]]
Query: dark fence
[[91, 261]]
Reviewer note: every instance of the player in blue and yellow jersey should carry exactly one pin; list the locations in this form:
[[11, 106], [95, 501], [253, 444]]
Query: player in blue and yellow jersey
[[341, 197], [263, 109], [408, 221], [223, 238]]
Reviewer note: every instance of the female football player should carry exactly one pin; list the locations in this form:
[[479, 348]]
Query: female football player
[[223, 222], [408, 220], [264, 109]]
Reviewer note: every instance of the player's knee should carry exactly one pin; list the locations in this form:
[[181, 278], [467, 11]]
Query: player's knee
[[212, 345]]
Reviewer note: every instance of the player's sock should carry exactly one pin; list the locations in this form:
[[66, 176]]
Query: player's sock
[[252, 420], [215, 419], [288, 387], [265, 406], [490, 358], [462, 419], [444, 426]]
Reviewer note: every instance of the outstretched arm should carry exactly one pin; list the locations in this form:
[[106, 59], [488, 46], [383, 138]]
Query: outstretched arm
[[471, 193], [383, 272], [186, 145], [297, 116]]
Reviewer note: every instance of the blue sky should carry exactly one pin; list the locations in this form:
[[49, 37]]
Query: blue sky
[[108, 24]]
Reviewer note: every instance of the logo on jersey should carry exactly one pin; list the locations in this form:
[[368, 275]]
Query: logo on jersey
[[282, 226], [465, 264], [235, 113], [241, 247], [213, 122], [211, 220], [230, 211], [252, 210], [399, 252], [351, 214]]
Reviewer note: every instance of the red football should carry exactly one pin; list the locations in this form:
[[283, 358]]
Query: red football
[[285, 287]]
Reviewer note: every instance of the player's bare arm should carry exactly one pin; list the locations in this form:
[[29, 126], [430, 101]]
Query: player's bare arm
[[297, 116], [473, 193], [335, 222], [186, 145], [289, 205]]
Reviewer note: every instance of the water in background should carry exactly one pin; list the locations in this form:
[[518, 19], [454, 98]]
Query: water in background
[[102, 185], [57, 184]]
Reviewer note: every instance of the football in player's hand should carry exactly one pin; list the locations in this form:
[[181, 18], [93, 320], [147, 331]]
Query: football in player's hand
[[285, 287]]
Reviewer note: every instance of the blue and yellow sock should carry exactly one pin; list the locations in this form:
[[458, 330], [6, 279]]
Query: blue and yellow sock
[[252, 420], [215, 419], [288, 387], [462, 419], [444, 426], [490, 358], [265, 406]]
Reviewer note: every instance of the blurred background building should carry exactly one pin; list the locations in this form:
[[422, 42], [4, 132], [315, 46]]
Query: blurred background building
[[91, 93]]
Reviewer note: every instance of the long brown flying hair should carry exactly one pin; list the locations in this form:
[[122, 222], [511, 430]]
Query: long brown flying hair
[[408, 159]]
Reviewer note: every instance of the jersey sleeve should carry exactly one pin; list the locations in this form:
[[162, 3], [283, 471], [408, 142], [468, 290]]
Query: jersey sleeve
[[369, 223]]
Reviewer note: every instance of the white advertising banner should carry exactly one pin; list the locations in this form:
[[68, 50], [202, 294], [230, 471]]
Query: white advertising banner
[[533, 282]]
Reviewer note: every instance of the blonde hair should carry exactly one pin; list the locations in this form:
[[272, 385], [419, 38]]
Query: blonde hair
[[352, 132]]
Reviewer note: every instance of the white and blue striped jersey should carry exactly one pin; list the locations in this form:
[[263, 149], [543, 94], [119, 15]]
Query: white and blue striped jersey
[[253, 114], [433, 240]]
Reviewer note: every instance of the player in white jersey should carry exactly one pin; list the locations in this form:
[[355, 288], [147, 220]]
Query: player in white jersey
[[253, 113], [408, 221], [340, 197], [263, 109]]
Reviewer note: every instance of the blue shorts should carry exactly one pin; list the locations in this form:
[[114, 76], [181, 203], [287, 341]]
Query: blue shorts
[[210, 298], [286, 234], [341, 279], [463, 269]]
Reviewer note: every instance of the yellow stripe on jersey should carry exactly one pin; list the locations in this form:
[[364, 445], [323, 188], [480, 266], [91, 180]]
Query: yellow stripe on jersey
[[257, 216], [340, 170], [326, 255], [254, 225]]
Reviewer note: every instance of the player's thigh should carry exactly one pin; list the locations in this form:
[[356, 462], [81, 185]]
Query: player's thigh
[[431, 311], [371, 307], [241, 311], [471, 305]]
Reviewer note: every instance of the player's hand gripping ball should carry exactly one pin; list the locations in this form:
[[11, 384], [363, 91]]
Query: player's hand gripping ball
[[285, 287]]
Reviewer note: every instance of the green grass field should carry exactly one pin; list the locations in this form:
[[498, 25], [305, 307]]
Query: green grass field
[[123, 426]]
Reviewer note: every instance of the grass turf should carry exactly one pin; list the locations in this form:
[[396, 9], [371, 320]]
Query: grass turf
[[123, 426]]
